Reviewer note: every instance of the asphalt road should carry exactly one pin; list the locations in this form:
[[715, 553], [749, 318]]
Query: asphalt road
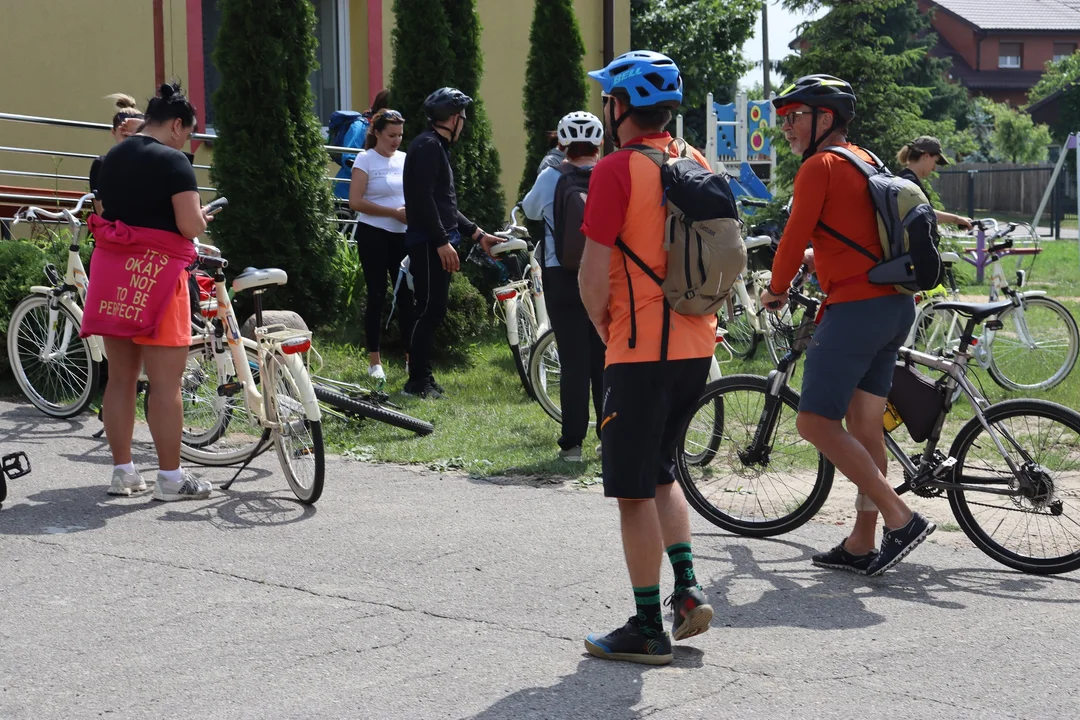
[[409, 594]]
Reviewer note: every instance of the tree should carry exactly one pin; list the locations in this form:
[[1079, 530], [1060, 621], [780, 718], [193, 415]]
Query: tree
[[269, 158], [1063, 75], [421, 45], [477, 168], [1017, 137], [554, 79], [705, 39], [848, 42]]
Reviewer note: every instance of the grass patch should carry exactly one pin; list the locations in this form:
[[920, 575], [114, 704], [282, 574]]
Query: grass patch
[[949, 526]]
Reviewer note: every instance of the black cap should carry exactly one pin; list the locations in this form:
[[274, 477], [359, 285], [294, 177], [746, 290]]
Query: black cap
[[930, 146]]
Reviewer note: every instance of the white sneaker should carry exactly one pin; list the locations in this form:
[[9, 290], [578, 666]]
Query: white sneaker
[[124, 484], [376, 373], [190, 488], [571, 454]]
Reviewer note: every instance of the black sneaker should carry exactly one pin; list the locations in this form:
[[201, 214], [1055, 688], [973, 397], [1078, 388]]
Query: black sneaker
[[840, 559], [630, 643], [691, 612], [426, 391], [896, 544], [438, 388]]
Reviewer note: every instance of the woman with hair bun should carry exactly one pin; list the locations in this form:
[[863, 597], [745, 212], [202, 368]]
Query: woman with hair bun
[[138, 301], [127, 121]]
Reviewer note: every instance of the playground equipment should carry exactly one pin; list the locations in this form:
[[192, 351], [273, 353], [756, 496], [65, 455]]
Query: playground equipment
[[1070, 144], [737, 134]]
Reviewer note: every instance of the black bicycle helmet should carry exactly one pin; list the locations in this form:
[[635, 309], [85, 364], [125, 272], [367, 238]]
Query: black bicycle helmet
[[444, 103], [820, 91]]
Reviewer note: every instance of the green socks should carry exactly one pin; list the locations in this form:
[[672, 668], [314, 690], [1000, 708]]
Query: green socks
[[649, 616], [682, 562]]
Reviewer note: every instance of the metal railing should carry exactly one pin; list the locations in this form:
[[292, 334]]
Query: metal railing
[[55, 198]]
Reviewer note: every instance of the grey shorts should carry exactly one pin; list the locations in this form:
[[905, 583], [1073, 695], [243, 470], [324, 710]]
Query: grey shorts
[[854, 348]]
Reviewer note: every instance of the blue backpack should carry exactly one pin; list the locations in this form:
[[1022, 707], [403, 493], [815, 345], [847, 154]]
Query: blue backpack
[[347, 128]]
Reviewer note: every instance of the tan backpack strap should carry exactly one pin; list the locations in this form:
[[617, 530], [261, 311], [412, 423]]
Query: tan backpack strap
[[657, 156], [681, 146]]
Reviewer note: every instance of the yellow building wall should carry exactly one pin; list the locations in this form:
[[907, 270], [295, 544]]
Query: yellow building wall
[[56, 67]]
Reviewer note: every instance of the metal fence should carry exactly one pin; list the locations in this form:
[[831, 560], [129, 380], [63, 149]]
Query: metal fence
[[65, 188]]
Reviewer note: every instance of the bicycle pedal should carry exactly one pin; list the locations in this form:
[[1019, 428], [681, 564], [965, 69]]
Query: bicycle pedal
[[229, 389], [946, 467]]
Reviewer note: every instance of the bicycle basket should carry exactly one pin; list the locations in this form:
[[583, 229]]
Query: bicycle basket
[[917, 399]]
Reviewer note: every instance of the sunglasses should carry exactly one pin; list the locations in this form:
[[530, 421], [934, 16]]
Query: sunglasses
[[790, 117]]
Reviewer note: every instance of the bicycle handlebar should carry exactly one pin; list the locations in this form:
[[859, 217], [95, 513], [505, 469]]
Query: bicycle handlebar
[[34, 213]]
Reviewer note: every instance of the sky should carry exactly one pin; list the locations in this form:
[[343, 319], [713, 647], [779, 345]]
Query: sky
[[782, 30]]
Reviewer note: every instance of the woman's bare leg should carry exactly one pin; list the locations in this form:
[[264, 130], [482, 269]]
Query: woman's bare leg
[[118, 407], [165, 370]]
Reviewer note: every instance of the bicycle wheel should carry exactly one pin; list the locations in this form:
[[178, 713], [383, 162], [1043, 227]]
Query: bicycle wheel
[[366, 409], [217, 428], [758, 498], [937, 332], [60, 380], [298, 441], [704, 433], [545, 374], [737, 320], [1036, 349], [1038, 532], [526, 327]]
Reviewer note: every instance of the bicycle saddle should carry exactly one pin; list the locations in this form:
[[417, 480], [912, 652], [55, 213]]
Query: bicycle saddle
[[253, 278], [977, 311]]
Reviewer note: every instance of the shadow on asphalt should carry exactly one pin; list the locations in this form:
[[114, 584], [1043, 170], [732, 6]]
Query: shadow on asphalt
[[822, 599], [597, 689]]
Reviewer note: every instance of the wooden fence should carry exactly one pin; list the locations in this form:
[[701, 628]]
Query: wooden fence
[[999, 187]]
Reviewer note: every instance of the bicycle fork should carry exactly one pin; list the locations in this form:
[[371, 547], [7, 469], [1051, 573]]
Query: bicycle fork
[[761, 446]]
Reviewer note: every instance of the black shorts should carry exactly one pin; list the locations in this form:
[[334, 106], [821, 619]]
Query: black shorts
[[645, 405]]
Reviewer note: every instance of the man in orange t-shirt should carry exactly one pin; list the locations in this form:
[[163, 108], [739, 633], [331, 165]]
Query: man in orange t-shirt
[[647, 397], [850, 362]]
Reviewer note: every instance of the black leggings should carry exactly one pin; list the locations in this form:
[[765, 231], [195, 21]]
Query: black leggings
[[581, 355], [432, 290], [381, 253]]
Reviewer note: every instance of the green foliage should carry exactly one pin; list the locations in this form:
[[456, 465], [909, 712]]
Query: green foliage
[[421, 44], [477, 168], [1016, 136], [466, 320], [1061, 75], [269, 160], [554, 79], [705, 39]]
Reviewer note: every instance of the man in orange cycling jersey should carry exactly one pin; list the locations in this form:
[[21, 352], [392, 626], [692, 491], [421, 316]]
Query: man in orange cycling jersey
[[647, 397], [850, 361]]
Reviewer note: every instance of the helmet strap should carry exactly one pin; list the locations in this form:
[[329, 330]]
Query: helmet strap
[[613, 131], [815, 141]]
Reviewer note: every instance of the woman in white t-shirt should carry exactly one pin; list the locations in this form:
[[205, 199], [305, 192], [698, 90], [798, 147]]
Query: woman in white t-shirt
[[377, 195]]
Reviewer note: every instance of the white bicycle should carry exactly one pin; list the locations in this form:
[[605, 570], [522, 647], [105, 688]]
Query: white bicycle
[[520, 299], [1032, 345]]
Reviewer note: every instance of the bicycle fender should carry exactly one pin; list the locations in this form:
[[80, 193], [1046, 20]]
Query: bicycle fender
[[307, 391], [1032, 293]]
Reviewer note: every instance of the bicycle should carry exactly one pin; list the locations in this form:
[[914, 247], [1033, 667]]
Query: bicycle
[[520, 296], [1004, 451], [223, 366], [1035, 349]]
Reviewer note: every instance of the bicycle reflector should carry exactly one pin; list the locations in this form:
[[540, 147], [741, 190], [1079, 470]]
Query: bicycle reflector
[[296, 345], [504, 295]]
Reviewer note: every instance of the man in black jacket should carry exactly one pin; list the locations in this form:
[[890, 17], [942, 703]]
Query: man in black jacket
[[435, 228]]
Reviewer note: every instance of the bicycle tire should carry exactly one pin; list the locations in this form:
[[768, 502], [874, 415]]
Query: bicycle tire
[[229, 438], [373, 411], [716, 430], [741, 338], [744, 420], [998, 348], [526, 327], [35, 376], [298, 439], [545, 373], [982, 533]]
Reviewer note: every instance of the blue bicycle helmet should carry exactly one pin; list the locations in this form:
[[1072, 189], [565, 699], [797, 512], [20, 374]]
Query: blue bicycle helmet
[[644, 78]]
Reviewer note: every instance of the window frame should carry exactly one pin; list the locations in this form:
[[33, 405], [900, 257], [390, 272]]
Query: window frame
[[1019, 55], [1059, 57]]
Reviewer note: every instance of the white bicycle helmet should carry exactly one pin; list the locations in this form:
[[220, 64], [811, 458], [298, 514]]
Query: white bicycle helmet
[[580, 127]]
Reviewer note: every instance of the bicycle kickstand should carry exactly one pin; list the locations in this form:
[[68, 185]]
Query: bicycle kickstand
[[263, 448]]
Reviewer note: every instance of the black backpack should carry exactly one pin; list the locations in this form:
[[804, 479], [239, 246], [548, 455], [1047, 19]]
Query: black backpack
[[568, 212]]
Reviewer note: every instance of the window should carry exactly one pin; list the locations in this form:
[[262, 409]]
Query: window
[[329, 83], [1063, 50], [1009, 55]]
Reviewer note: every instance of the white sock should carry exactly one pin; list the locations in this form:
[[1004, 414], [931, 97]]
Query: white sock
[[173, 476], [128, 468]]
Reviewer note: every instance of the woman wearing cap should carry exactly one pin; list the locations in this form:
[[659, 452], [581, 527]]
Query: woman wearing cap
[[581, 351], [920, 157]]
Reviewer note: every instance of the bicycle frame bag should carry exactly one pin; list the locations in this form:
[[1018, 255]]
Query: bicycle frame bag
[[702, 233], [917, 399], [907, 229]]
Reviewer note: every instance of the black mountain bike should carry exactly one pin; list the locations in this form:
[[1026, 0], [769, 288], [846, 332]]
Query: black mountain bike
[[1012, 474]]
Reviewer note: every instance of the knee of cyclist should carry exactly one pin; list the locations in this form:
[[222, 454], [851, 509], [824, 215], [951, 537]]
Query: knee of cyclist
[[809, 426]]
